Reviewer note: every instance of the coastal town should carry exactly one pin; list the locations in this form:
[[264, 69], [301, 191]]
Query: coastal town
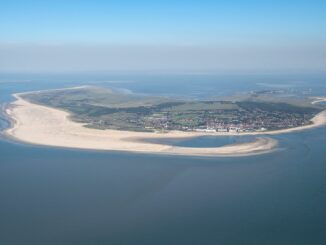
[[232, 118], [232, 121], [102, 109]]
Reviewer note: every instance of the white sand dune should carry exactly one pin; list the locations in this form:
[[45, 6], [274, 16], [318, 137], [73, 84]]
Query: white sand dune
[[43, 125]]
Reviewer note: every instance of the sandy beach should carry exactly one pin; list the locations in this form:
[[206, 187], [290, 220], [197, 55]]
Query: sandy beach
[[318, 100], [43, 125]]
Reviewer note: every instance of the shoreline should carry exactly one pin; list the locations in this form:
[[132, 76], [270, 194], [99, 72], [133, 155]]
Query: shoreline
[[317, 121], [42, 125], [6, 119], [318, 100]]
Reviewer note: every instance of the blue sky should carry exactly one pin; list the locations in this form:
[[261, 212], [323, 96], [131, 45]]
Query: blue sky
[[233, 25], [173, 22]]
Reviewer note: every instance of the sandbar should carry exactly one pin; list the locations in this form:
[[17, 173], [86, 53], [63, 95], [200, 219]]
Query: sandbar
[[318, 100]]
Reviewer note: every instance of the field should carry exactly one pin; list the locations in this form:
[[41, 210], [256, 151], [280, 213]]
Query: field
[[104, 108]]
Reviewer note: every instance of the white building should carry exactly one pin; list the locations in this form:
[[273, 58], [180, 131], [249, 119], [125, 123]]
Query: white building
[[233, 129], [220, 129]]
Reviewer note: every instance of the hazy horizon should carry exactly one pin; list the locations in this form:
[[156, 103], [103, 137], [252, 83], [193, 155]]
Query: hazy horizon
[[191, 36]]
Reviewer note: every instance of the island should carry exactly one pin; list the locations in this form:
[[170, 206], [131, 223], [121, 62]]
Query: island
[[105, 119]]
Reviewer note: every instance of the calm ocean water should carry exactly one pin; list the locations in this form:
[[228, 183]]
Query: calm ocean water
[[61, 196]]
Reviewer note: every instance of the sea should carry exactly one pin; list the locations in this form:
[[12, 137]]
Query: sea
[[55, 196]]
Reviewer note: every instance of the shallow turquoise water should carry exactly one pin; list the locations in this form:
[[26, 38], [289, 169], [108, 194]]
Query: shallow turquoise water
[[204, 141], [61, 196], [323, 103]]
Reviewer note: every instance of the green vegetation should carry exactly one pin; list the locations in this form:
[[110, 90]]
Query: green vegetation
[[103, 109]]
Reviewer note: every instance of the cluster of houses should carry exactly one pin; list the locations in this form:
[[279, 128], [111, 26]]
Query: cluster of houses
[[234, 121], [227, 130]]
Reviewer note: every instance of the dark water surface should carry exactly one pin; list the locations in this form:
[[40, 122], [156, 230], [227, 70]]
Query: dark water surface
[[60, 196]]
